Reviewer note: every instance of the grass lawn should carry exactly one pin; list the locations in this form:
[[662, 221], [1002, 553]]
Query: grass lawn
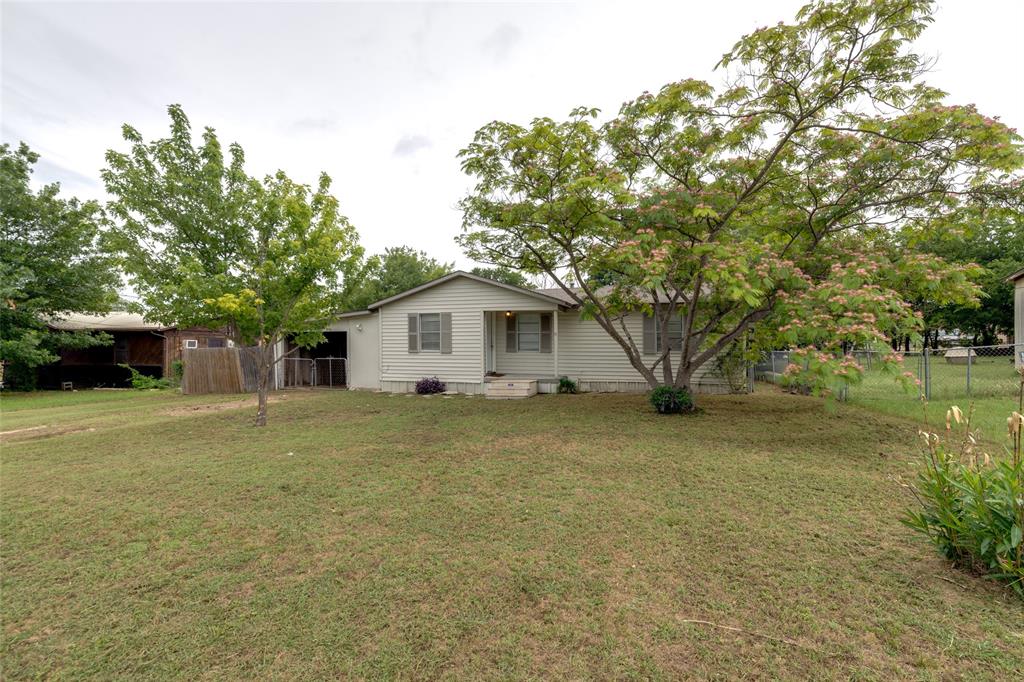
[[376, 536]]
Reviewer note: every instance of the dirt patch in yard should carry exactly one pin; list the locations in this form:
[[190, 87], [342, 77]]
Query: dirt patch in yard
[[44, 431], [249, 401]]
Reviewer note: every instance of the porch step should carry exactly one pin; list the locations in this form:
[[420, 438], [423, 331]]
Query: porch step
[[510, 389]]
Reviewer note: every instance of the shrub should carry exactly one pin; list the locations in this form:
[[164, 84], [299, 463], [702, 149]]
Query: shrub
[[430, 385], [567, 385], [972, 507], [671, 400], [177, 371], [732, 365], [144, 381]]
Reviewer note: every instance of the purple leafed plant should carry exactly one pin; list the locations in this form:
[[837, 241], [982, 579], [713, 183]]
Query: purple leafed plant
[[429, 385]]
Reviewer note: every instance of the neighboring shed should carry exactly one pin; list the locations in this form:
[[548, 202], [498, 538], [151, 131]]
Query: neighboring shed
[[960, 356], [147, 347]]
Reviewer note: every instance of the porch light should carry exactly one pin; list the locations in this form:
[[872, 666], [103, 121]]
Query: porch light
[[508, 313]]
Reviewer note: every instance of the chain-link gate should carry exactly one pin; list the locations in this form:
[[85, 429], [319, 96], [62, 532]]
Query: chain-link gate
[[329, 372], [316, 372]]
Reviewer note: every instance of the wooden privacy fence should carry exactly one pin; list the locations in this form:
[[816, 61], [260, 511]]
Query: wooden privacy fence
[[218, 370]]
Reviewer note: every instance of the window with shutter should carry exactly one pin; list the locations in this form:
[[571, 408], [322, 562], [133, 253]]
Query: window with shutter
[[529, 332], [430, 331], [674, 329], [653, 334]]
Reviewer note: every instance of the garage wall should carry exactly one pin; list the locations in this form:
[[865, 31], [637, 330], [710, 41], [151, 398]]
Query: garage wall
[[363, 349]]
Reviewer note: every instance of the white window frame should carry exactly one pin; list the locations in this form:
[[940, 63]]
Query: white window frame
[[420, 333], [191, 343], [520, 333]]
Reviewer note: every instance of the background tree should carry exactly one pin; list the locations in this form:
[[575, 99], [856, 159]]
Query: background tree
[[398, 269], [505, 275], [768, 204], [205, 244], [49, 266], [993, 238]]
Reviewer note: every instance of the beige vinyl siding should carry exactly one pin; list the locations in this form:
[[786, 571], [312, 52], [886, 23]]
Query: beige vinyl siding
[[521, 363], [363, 362], [1018, 318], [588, 354], [466, 300]]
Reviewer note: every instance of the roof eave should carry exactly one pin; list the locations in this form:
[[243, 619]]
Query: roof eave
[[468, 275]]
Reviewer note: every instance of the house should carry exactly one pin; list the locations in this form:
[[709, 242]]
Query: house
[[1018, 315], [481, 336], [148, 347]]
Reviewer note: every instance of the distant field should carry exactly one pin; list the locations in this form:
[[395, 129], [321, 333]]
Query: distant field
[[361, 535]]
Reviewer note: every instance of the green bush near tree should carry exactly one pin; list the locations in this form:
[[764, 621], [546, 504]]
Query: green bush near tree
[[671, 400]]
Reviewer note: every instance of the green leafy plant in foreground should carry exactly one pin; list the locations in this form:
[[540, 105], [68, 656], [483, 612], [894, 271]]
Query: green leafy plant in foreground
[[971, 506], [671, 400], [144, 382]]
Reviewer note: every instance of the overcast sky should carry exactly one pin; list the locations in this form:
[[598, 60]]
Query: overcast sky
[[382, 96]]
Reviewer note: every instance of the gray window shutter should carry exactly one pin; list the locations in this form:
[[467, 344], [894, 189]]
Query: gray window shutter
[[414, 333], [650, 336], [511, 342], [446, 332], [545, 333]]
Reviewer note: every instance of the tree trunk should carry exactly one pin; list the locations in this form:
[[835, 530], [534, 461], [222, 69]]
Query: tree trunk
[[263, 384], [683, 381]]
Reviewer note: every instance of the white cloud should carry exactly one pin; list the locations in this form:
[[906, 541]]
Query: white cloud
[[383, 96], [500, 43], [408, 145]]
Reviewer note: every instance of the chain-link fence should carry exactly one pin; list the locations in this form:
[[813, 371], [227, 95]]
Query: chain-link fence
[[943, 374], [318, 372]]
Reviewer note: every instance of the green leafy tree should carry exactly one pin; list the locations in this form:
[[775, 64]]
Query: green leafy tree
[[50, 265], [205, 244], [993, 238], [762, 207], [398, 269], [505, 275]]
